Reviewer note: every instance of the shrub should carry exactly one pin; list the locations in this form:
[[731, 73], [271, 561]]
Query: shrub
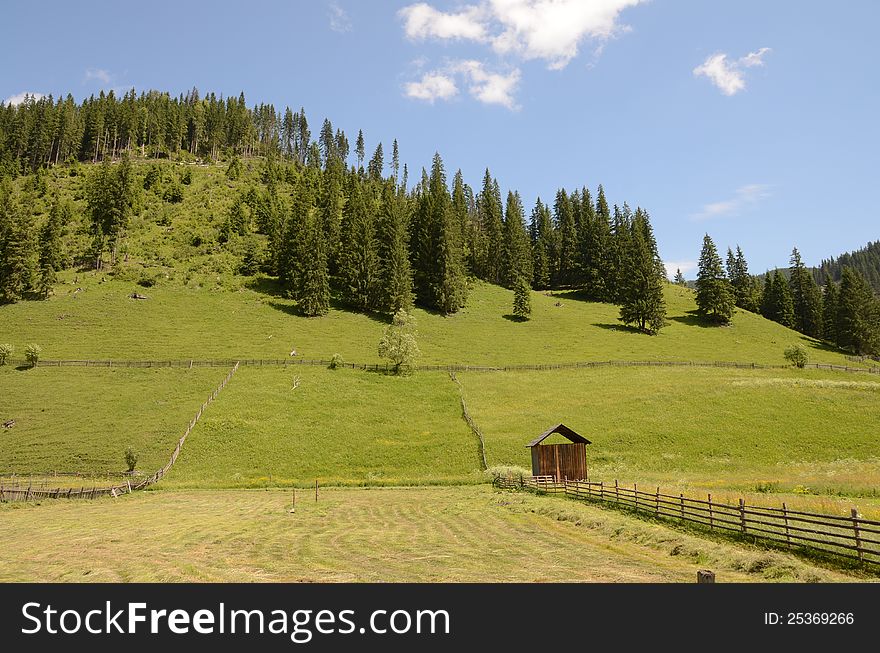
[[797, 355], [507, 471], [187, 177], [5, 353], [131, 459], [32, 354], [336, 362], [173, 193]]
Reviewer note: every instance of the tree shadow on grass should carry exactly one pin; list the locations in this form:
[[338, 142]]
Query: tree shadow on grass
[[625, 328], [335, 304], [265, 286], [515, 318], [693, 318]]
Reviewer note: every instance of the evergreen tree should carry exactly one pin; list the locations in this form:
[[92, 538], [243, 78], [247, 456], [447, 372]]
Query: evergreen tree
[[359, 256], [807, 302], [376, 166], [395, 270], [598, 275], [541, 233], [522, 300], [642, 301], [360, 150], [830, 311], [618, 246], [448, 287], [52, 246], [858, 320], [714, 296], [395, 160], [314, 293], [679, 278], [781, 305], [516, 257], [16, 248], [567, 264], [489, 211]]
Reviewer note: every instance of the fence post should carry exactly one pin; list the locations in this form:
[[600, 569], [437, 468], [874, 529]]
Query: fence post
[[636, 495], [601, 491], [616, 492], [657, 504], [316, 490], [785, 519], [742, 514], [855, 520], [681, 497], [711, 524]]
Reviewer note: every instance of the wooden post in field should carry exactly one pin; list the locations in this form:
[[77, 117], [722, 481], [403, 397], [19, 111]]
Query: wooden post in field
[[657, 502], [616, 492], [855, 520], [705, 576], [742, 514], [785, 519], [601, 491], [636, 494], [316, 490], [681, 497], [711, 525]]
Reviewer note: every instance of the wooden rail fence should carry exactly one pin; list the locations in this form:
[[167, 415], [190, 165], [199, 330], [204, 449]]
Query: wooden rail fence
[[849, 536], [30, 493], [387, 367]]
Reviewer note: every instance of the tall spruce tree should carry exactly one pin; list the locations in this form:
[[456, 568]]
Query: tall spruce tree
[[830, 312], [599, 276], [448, 287], [517, 263], [541, 236], [807, 302], [522, 300], [567, 263], [679, 278], [359, 256], [395, 270], [52, 246], [714, 296], [490, 217], [858, 320], [16, 248], [641, 295]]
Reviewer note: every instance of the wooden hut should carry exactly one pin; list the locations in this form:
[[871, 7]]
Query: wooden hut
[[561, 461]]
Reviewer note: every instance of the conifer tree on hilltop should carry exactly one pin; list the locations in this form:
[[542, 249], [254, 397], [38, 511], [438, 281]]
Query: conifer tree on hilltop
[[541, 235], [522, 299], [806, 300], [641, 293], [395, 270], [858, 318], [713, 293], [516, 260], [679, 278]]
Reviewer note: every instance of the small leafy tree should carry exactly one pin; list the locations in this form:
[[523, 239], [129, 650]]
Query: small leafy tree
[[131, 459], [6, 351], [522, 301], [398, 343], [797, 355], [233, 171], [32, 354], [336, 362]]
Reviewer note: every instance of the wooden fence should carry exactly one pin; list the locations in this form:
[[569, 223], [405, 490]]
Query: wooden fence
[[849, 536], [387, 367], [19, 493]]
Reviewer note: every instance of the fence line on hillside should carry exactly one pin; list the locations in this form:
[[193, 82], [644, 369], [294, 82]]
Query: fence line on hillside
[[471, 423], [456, 367], [850, 536], [30, 493]]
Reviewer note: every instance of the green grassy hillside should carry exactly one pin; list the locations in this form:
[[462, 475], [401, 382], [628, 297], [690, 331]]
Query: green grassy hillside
[[82, 420]]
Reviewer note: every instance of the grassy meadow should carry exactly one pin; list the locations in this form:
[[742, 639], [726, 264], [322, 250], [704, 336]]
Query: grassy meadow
[[341, 426], [253, 321], [466, 534], [79, 420], [759, 431]]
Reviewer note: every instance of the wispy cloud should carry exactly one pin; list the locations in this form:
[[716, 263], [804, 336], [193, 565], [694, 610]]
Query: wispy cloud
[[431, 87], [20, 97], [729, 75], [552, 30], [744, 198], [484, 85], [684, 266], [98, 74], [340, 21]]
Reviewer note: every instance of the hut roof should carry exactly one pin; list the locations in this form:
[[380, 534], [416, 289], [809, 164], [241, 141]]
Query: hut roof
[[562, 430]]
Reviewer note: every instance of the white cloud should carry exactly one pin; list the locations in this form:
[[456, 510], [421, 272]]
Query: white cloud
[[99, 74], [19, 98], [432, 86], [684, 266], [422, 21], [340, 21], [744, 197], [551, 30], [729, 76], [488, 87]]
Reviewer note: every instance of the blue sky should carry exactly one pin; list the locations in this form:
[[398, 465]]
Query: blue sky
[[754, 121]]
